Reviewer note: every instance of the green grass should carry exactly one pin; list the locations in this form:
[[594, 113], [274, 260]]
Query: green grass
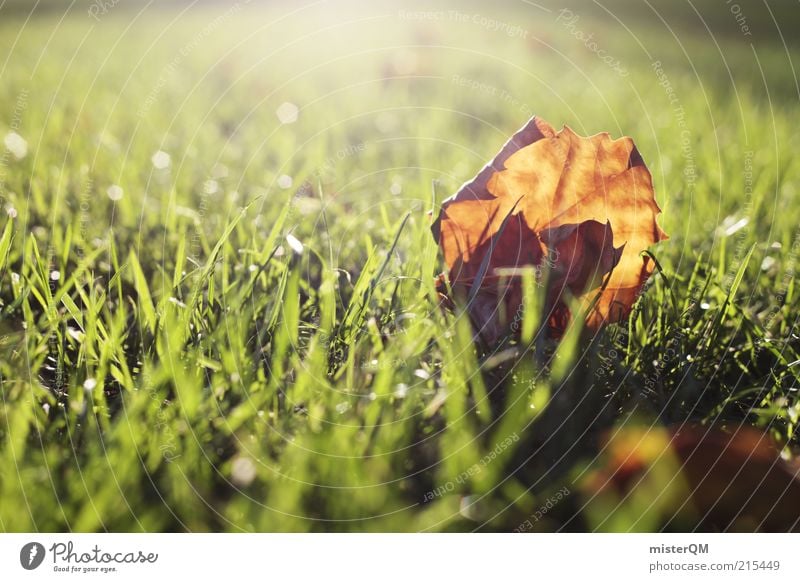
[[188, 370]]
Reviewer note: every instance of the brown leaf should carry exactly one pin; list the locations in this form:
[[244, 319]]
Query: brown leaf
[[582, 207]]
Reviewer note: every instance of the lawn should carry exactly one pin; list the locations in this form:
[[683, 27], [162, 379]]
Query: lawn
[[218, 308]]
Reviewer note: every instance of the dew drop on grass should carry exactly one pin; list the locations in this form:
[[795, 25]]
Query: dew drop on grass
[[731, 226], [284, 181], [295, 244], [16, 144], [90, 384], [55, 275], [287, 112], [177, 302], [161, 160], [115, 192], [210, 187], [469, 507], [74, 333], [243, 471]]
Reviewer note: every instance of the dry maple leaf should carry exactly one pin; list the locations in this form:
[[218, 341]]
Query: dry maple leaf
[[583, 207]]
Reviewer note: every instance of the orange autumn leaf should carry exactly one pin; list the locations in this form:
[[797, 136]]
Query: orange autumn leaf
[[581, 208]]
